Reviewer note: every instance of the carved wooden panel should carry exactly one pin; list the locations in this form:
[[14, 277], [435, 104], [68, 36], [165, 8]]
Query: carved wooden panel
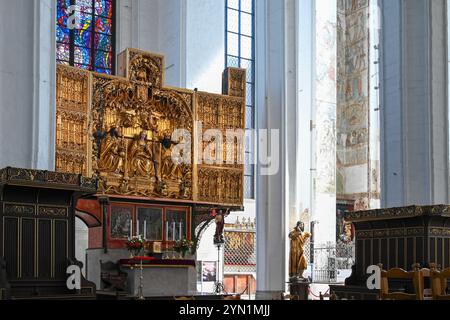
[[133, 121], [120, 129], [72, 110], [220, 170]]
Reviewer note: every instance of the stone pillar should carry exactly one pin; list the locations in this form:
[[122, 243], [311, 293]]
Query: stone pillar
[[276, 110], [27, 84], [324, 130], [414, 102]]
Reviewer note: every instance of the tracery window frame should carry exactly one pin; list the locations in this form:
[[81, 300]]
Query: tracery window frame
[[237, 59], [92, 66]]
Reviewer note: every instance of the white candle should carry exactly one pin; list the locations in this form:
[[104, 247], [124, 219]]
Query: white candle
[[173, 231], [137, 228], [131, 228], [180, 231], [145, 229], [167, 230]]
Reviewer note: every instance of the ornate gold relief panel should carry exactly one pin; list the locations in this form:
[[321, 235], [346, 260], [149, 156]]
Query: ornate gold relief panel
[[120, 130], [220, 178], [72, 121], [133, 122]]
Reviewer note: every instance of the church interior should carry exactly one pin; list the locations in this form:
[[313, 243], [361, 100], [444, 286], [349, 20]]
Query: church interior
[[224, 150]]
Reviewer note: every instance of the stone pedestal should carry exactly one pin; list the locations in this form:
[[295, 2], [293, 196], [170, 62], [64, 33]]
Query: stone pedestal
[[299, 289]]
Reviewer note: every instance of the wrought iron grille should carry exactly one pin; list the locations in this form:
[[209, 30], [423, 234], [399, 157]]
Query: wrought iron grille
[[330, 260], [240, 251]]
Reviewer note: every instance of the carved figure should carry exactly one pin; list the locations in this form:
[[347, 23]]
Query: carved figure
[[141, 157], [113, 153], [297, 259]]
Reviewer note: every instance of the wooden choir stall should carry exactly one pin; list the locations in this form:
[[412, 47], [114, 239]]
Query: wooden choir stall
[[37, 233], [166, 159], [397, 238]]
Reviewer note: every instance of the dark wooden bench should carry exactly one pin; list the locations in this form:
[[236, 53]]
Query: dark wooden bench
[[4, 284]]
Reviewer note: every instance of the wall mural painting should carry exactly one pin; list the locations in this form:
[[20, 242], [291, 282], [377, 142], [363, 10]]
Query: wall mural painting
[[353, 103]]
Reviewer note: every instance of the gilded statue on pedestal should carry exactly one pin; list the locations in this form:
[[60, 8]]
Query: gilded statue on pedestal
[[297, 259]]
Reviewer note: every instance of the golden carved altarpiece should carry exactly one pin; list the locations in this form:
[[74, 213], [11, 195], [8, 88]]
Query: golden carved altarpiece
[[120, 130]]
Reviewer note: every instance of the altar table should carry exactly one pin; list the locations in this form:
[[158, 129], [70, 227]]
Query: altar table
[[161, 278]]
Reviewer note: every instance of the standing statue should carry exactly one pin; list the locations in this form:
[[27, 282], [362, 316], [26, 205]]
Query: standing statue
[[297, 259], [220, 224]]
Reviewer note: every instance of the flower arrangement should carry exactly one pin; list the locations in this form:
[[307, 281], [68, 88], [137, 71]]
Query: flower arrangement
[[135, 245], [183, 246]]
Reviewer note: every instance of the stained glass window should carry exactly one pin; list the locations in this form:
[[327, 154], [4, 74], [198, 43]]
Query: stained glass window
[[240, 44], [85, 34]]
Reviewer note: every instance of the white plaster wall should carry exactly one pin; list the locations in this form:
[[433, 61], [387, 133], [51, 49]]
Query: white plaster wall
[[137, 25], [207, 251], [172, 37], [356, 179], [155, 26], [305, 73], [81, 242], [205, 56], [27, 82]]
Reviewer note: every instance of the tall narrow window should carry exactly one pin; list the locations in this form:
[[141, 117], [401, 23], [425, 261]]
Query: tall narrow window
[[240, 53], [85, 34]]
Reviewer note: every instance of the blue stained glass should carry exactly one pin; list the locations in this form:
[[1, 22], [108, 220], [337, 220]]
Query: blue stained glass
[[62, 51], [100, 70], [85, 20], [83, 55], [82, 66], [103, 8], [103, 59], [63, 4], [103, 25], [84, 5], [103, 42], [78, 43], [62, 34], [62, 17], [82, 38]]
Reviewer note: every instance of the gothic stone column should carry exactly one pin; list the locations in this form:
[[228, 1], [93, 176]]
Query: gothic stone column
[[277, 110], [414, 102]]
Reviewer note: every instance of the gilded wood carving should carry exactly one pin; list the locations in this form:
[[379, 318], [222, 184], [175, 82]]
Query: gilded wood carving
[[121, 129]]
